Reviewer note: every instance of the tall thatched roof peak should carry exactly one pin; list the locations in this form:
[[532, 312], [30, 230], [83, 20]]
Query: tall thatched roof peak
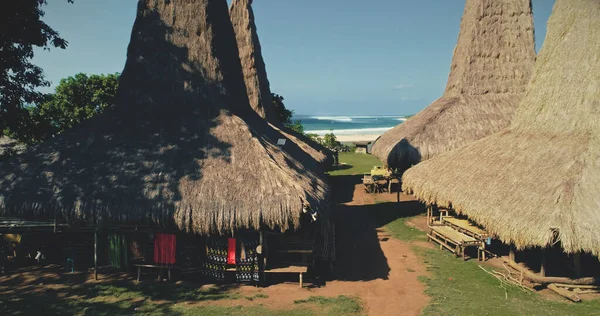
[[255, 77], [253, 65], [492, 64], [181, 147], [494, 49], [536, 182]]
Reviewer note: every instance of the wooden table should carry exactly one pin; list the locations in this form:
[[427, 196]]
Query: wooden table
[[466, 227], [291, 269], [453, 240], [140, 266]]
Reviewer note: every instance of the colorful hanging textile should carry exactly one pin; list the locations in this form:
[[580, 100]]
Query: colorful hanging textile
[[117, 251], [247, 262], [164, 248], [216, 259], [231, 251]]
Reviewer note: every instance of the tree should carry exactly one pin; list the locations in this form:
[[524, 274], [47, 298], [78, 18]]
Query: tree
[[314, 137], [284, 115], [20, 30], [75, 99], [330, 141]]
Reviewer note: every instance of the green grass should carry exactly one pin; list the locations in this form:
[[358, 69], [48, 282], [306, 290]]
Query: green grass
[[400, 230], [341, 305], [353, 164]]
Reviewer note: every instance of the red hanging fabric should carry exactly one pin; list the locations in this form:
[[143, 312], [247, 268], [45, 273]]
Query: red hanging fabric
[[231, 251], [164, 248]]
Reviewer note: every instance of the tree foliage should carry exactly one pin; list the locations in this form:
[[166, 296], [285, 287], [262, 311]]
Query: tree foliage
[[283, 114], [330, 141], [75, 99], [21, 30]]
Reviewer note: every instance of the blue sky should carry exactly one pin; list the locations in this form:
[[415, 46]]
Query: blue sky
[[333, 57]]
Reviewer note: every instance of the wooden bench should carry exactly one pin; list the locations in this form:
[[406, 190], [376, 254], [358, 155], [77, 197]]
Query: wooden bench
[[152, 266], [454, 240], [466, 227], [291, 269]]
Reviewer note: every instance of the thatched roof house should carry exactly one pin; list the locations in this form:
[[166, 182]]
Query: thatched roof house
[[491, 67], [181, 148], [537, 182], [255, 77]]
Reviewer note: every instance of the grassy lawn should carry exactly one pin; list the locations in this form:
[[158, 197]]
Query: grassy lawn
[[353, 164]]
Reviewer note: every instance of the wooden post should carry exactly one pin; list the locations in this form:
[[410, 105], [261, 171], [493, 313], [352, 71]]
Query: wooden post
[[261, 259], [543, 265], [96, 254], [577, 264], [300, 279], [511, 254], [429, 214]]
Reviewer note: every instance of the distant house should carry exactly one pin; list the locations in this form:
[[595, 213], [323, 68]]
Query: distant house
[[363, 147]]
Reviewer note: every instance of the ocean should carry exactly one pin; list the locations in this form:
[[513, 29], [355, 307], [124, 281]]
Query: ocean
[[348, 125]]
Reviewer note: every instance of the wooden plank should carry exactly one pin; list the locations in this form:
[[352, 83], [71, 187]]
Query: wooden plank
[[290, 269], [303, 251], [442, 244], [564, 293], [454, 235], [153, 266], [465, 225], [577, 286]]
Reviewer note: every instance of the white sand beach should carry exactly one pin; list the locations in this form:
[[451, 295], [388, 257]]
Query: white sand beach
[[357, 138]]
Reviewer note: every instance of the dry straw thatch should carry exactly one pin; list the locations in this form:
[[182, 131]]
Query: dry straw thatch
[[491, 67], [181, 148], [537, 182], [253, 64], [255, 77]]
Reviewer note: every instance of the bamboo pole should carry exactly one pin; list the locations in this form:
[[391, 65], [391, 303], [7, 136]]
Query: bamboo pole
[[564, 293], [534, 277], [96, 254]]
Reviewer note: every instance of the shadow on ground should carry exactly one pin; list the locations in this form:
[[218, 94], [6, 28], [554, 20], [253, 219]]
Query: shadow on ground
[[55, 293], [359, 256]]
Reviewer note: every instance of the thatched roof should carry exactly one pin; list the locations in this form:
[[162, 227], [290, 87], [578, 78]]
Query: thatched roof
[[256, 80], [491, 67], [253, 64], [537, 182], [181, 147]]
